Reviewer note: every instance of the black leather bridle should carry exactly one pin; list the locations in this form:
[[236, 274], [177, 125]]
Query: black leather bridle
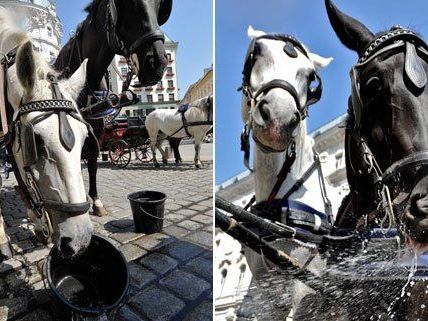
[[28, 187], [114, 38], [390, 42], [291, 45]]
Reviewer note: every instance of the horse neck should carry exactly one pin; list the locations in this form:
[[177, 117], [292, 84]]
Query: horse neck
[[268, 165], [90, 43]]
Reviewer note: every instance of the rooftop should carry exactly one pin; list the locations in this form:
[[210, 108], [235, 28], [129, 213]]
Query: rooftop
[[42, 3]]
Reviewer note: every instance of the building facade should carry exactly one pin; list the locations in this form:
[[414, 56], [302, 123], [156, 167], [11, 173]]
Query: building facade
[[200, 89], [39, 19], [232, 277], [164, 95]]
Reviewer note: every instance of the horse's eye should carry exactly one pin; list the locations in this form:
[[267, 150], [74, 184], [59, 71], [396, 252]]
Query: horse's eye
[[373, 85]]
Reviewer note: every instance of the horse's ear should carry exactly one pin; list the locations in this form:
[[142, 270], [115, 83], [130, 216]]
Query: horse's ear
[[319, 61], [352, 33], [165, 8], [78, 80], [252, 33], [26, 67]]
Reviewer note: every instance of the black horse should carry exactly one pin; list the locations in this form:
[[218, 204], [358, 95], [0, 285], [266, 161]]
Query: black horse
[[386, 142], [128, 28]]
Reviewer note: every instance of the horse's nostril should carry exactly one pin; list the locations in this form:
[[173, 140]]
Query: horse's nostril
[[65, 247], [264, 111], [296, 119]]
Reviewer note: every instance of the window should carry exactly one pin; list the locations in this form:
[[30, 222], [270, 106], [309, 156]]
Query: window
[[160, 98], [149, 98], [140, 98], [124, 71], [169, 57], [169, 71], [49, 29], [160, 85], [170, 83], [339, 159], [52, 57], [171, 97]]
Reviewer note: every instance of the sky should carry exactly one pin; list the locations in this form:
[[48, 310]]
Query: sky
[[190, 25], [308, 21]]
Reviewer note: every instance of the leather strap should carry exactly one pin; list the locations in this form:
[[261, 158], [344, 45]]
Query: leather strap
[[185, 126], [3, 115], [282, 175], [70, 208]]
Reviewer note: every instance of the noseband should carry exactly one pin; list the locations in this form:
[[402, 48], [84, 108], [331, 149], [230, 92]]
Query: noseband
[[393, 41], [28, 187], [314, 94]]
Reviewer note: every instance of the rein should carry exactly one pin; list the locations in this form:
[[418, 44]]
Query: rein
[[27, 185]]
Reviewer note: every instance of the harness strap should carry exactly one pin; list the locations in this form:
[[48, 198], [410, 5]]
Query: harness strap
[[185, 125], [282, 175]]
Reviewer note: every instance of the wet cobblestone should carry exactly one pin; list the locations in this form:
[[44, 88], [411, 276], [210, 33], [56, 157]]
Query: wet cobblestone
[[170, 272]]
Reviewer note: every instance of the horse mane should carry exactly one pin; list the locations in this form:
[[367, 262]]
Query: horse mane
[[92, 8]]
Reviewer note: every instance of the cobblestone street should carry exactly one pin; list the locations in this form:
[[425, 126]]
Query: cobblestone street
[[170, 272]]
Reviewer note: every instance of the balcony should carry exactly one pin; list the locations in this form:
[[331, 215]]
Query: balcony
[[160, 88], [169, 74], [170, 88], [149, 88], [122, 60]]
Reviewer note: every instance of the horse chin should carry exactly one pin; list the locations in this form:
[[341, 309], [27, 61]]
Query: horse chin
[[416, 231], [416, 246]]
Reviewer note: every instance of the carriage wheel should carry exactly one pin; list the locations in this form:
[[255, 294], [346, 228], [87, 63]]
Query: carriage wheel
[[144, 152], [120, 153]]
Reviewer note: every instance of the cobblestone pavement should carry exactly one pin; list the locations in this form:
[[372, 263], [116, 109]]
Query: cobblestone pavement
[[170, 272]]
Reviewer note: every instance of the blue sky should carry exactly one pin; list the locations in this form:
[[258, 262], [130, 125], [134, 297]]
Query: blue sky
[[190, 25], [306, 19]]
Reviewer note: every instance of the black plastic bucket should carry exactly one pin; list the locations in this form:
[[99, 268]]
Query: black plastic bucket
[[90, 285], [148, 208]]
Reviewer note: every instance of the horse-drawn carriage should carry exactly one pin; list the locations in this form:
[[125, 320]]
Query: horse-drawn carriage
[[124, 136]]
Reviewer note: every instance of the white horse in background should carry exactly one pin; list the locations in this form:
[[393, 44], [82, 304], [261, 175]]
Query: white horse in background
[[56, 171], [165, 123], [275, 120]]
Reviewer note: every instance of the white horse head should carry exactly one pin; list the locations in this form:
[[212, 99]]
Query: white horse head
[[203, 107], [56, 171], [275, 113]]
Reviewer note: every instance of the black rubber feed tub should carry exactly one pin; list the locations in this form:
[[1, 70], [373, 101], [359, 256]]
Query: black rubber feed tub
[[92, 284], [148, 209]]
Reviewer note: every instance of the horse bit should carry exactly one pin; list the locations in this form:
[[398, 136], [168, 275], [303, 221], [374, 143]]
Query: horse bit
[[393, 40], [27, 185]]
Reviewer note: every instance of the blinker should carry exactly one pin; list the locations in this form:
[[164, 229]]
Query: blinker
[[28, 145], [290, 50]]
